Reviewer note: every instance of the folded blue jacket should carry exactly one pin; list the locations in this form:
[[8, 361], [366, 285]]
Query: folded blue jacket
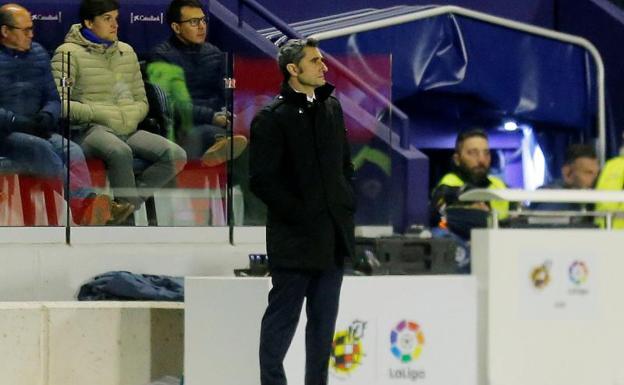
[[126, 286]]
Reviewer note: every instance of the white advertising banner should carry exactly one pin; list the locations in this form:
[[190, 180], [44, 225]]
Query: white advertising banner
[[550, 304], [558, 286], [390, 330], [400, 330]]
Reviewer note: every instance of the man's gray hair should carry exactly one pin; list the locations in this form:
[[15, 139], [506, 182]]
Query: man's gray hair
[[6, 13], [292, 52]]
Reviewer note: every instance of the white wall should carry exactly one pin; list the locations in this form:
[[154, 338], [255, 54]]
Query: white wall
[[566, 329], [95, 343], [37, 265]]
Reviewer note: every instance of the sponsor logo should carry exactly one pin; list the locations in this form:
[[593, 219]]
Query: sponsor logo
[[406, 374], [407, 341], [540, 275], [58, 17], [406, 344], [578, 273], [347, 351], [140, 18]]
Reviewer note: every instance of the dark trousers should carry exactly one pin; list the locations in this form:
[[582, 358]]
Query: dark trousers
[[290, 287]]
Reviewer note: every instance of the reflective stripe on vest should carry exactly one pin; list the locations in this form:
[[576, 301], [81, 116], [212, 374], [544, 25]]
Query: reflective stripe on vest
[[502, 207]]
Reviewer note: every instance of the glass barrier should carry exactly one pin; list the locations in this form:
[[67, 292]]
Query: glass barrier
[[32, 172], [188, 86], [363, 87], [151, 152]]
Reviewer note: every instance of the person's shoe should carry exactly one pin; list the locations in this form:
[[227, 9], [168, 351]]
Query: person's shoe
[[97, 211], [219, 152], [120, 212]]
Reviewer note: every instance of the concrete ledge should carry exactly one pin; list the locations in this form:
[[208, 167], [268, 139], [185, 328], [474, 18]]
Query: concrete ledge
[[95, 343]]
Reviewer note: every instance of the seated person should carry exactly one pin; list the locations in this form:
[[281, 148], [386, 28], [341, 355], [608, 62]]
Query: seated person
[[612, 178], [29, 110], [108, 102], [454, 219], [191, 72], [579, 171], [471, 166]]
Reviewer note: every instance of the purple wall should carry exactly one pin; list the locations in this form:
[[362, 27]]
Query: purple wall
[[538, 12], [602, 23]]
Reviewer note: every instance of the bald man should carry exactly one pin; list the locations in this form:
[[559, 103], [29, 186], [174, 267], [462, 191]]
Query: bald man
[[29, 110]]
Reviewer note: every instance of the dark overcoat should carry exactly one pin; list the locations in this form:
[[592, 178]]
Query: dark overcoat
[[300, 166]]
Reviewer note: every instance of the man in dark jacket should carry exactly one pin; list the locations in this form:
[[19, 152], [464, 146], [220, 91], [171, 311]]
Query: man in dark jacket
[[191, 71], [301, 168], [29, 109]]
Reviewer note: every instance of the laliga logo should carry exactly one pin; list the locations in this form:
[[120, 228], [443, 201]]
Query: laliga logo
[[578, 272], [346, 354], [49, 17], [406, 341], [145, 18]]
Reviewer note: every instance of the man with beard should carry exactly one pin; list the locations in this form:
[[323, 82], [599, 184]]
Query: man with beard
[[579, 172], [471, 165]]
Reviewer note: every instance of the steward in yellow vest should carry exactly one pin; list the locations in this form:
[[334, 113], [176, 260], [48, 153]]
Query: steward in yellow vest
[[471, 162], [612, 178]]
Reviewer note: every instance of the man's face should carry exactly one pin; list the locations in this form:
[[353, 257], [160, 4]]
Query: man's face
[[192, 27], [581, 173], [310, 71], [474, 157], [105, 25], [19, 34]]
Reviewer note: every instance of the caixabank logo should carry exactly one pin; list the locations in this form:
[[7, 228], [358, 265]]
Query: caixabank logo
[[407, 341], [48, 16], [347, 350], [142, 18]]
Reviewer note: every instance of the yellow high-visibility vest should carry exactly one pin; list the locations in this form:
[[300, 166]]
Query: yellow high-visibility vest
[[611, 178], [502, 207]]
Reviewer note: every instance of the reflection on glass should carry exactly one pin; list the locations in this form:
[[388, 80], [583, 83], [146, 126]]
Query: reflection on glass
[[191, 85], [106, 108], [363, 86]]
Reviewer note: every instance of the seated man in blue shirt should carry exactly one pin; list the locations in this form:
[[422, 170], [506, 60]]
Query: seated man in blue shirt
[[579, 171]]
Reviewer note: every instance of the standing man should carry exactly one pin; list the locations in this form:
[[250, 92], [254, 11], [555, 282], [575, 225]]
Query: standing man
[[300, 166]]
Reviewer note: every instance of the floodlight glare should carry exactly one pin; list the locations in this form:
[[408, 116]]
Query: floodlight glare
[[510, 125]]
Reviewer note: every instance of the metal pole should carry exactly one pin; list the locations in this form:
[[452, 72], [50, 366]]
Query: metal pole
[[229, 85]]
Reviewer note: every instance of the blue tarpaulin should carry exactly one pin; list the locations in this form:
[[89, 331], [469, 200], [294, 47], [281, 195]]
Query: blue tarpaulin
[[451, 71]]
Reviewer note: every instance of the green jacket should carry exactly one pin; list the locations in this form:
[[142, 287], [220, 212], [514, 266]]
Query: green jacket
[[170, 78], [107, 87], [612, 178]]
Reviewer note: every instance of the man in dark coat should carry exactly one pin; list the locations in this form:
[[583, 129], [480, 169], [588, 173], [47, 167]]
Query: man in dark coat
[[191, 70], [301, 168]]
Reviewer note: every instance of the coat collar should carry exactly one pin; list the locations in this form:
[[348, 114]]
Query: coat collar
[[13, 52], [299, 99], [180, 45]]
